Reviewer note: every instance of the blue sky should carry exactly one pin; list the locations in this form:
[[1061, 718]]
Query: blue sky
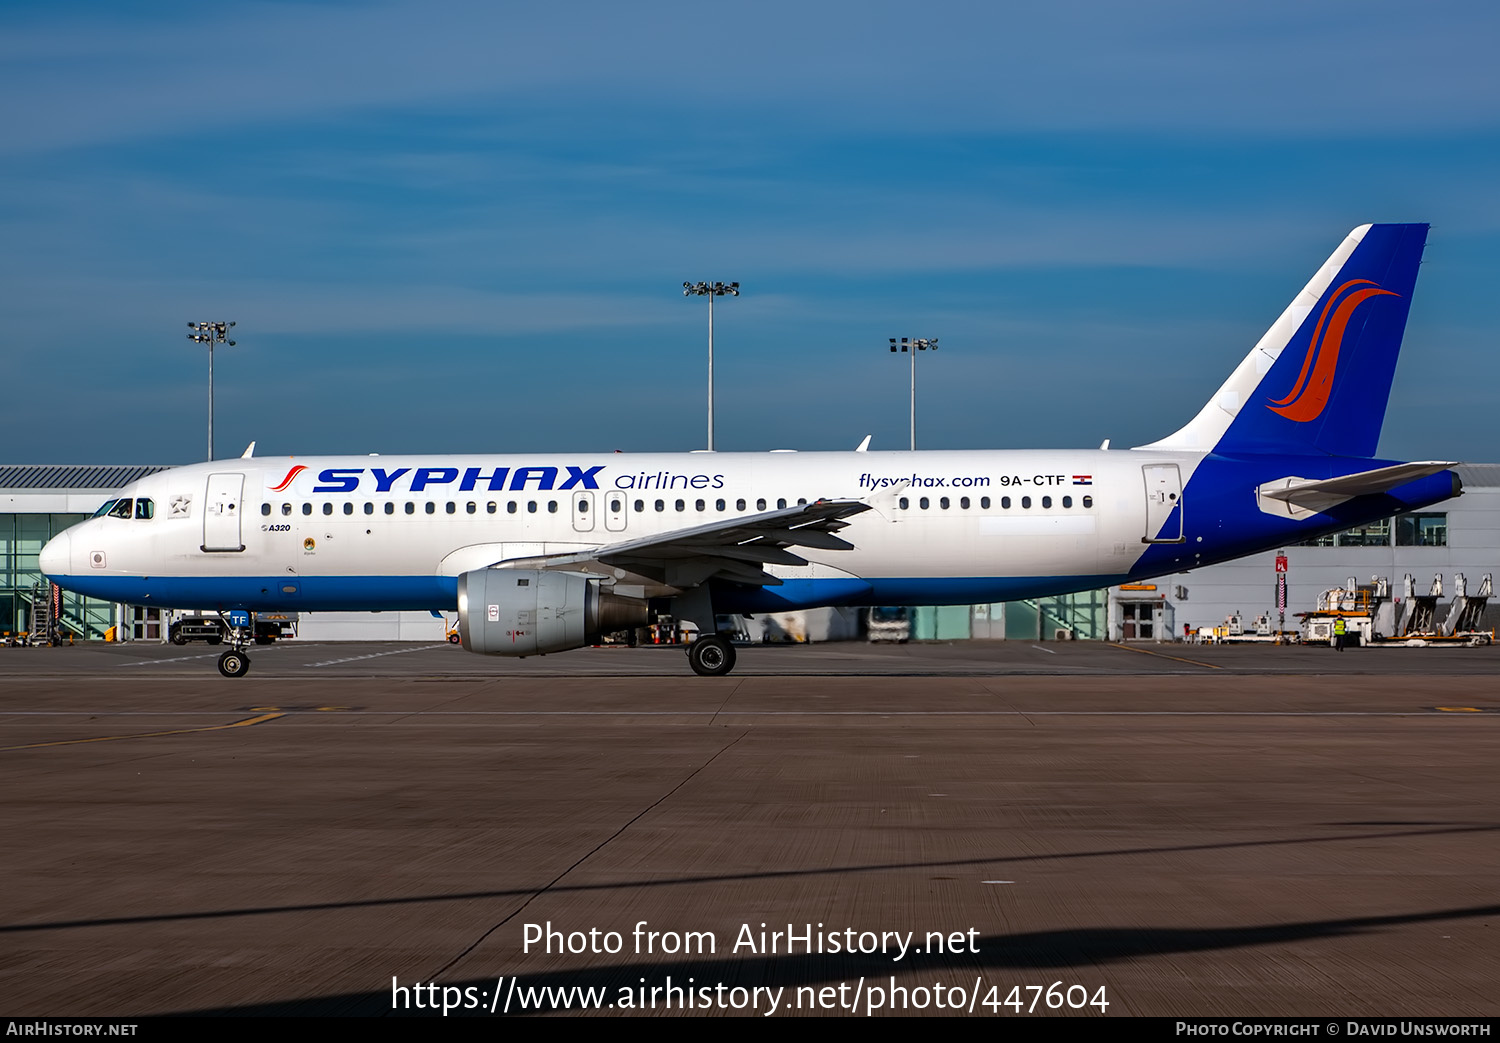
[[464, 226]]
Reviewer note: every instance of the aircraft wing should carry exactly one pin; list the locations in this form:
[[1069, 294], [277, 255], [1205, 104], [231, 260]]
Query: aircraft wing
[[735, 549]]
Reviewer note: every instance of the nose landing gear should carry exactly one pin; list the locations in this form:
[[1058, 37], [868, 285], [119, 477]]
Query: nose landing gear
[[236, 663]]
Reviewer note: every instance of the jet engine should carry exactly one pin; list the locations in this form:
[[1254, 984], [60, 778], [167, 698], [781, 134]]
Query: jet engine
[[522, 612]]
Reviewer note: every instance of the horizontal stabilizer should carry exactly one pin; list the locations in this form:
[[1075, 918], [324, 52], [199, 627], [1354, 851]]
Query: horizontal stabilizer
[[1295, 497]]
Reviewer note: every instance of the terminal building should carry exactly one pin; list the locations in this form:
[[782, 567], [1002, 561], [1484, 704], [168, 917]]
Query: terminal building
[[1459, 536]]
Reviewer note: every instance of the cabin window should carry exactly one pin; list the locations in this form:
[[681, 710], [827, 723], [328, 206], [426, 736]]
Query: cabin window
[[963, 503], [984, 503], [451, 507], [1088, 501], [943, 503], [286, 508], [328, 508], [510, 507], [431, 506], [369, 507], [904, 503], [551, 506], [802, 502], [348, 507], [616, 506], [699, 506], [265, 510], [739, 505], [530, 506], [661, 505], [490, 507], [681, 505], [583, 505], [1047, 502], [1067, 501], [781, 504], [390, 508], [471, 507], [640, 506], [411, 508], [307, 508], [719, 505], [924, 503], [1026, 502], [760, 504]]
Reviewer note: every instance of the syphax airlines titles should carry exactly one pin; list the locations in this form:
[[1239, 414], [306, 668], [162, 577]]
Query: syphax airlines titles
[[542, 554]]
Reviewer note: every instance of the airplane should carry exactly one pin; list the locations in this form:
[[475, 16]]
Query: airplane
[[545, 553]]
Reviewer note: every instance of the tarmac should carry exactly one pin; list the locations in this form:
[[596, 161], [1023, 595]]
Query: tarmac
[[986, 828]]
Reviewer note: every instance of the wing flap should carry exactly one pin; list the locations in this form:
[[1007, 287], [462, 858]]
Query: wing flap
[[734, 549]]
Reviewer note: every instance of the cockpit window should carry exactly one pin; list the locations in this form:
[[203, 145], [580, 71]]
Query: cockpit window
[[122, 508], [145, 509], [105, 508]]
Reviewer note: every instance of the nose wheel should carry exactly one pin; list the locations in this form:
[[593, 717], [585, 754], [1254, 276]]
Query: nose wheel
[[711, 656], [234, 664], [237, 628]]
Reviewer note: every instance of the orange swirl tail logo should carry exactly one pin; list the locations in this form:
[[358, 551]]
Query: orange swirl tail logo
[[1309, 396], [293, 473]]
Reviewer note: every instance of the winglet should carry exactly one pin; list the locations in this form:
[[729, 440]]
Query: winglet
[[249, 451], [864, 446]]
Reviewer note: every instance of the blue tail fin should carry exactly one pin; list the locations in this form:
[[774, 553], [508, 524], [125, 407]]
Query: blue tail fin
[[1319, 380]]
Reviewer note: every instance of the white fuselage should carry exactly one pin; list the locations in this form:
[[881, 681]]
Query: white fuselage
[[936, 516]]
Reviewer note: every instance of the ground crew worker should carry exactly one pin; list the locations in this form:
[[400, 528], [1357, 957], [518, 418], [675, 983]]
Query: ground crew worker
[[1339, 629]]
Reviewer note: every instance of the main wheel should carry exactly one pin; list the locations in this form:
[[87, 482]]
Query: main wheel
[[234, 664], [711, 656]]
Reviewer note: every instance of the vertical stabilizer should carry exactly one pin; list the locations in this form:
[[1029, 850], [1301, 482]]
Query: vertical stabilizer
[[1319, 380]]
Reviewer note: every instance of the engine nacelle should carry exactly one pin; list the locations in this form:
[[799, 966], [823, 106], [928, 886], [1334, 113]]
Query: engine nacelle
[[522, 612]]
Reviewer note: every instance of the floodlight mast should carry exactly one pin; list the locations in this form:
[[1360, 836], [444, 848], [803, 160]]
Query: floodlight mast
[[710, 290], [211, 333], [914, 345]]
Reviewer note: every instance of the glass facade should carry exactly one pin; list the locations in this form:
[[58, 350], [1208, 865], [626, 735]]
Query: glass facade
[[1085, 614], [1422, 530], [1410, 530], [21, 540]]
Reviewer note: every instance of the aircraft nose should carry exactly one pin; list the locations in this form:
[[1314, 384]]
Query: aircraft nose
[[56, 557]]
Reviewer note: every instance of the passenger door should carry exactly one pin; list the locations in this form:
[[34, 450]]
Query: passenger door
[[222, 508], [1163, 504]]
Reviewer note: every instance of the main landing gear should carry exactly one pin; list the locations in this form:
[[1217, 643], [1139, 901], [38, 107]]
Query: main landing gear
[[236, 663], [711, 656]]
